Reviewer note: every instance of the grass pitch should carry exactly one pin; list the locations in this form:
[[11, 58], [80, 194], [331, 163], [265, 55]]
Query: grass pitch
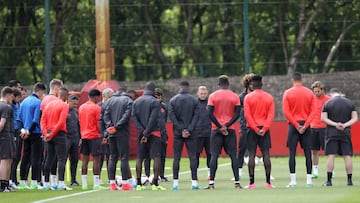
[[224, 187]]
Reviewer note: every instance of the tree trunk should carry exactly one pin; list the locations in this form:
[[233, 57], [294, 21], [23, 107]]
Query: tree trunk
[[303, 29], [157, 43], [335, 47]]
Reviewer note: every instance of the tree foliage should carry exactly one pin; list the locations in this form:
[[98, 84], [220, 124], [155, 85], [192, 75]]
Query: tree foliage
[[164, 39]]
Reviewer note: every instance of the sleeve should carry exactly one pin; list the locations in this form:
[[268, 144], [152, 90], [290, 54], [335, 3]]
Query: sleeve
[[36, 117], [287, 113], [153, 118], [107, 115], [312, 111], [248, 115], [172, 114], [43, 122], [212, 116], [136, 120], [126, 116], [270, 116], [195, 117]]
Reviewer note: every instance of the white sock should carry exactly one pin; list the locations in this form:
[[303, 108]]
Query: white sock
[[96, 180], [112, 181], [84, 180], [293, 178], [308, 179], [23, 182], [53, 180], [211, 182], [34, 182], [132, 181], [208, 170], [240, 172], [46, 184], [175, 182], [43, 179], [194, 183], [61, 184], [315, 170]]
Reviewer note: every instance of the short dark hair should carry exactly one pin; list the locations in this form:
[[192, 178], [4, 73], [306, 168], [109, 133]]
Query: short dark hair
[[16, 92], [224, 80], [158, 92], [94, 93], [256, 81], [13, 83], [184, 83], [39, 86], [296, 76], [150, 86], [73, 97], [6, 90]]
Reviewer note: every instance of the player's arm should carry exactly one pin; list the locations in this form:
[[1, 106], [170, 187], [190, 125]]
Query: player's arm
[[195, 117], [212, 116], [153, 119], [126, 116], [312, 112], [270, 116], [235, 117], [172, 115], [2, 124], [353, 120], [136, 120], [287, 113], [249, 117]]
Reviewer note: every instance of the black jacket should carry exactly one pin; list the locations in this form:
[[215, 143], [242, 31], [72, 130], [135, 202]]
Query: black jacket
[[243, 128], [146, 114], [203, 124], [117, 113], [72, 124], [183, 112]]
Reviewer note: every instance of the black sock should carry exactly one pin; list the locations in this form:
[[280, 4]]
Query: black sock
[[138, 180], [7, 184], [252, 179], [329, 176], [349, 177], [268, 178], [156, 181], [2, 185]]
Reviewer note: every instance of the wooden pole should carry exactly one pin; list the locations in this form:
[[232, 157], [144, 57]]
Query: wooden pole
[[104, 54]]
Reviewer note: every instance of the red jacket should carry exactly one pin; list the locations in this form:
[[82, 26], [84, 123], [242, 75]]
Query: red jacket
[[54, 117], [259, 110], [89, 115], [298, 105]]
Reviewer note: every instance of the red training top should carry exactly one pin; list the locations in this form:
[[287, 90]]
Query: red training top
[[298, 105], [319, 102], [54, 116], [89, 115], [224, 102], [259, 110], [46, 100]]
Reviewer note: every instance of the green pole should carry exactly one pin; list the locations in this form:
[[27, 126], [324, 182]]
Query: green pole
[[47, 43], [246, 37]]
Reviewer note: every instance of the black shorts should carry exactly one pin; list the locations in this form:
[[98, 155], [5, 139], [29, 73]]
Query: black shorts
[[218, 141], [294, 137], [203, 143], [254, 140], [7, 148], [341, 145], [317, 138], [92, 147], [151, 149]]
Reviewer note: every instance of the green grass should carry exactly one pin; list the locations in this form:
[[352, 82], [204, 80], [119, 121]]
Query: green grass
[[224, 188]]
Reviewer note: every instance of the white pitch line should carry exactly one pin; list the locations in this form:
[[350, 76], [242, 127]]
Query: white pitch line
[[91, 191], [65, 196]]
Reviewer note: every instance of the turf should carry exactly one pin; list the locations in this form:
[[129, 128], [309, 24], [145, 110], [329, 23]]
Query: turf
[[224, 188]]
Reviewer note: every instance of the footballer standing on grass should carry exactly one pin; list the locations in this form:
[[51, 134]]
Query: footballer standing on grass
[[224, 111], [339, 114]]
